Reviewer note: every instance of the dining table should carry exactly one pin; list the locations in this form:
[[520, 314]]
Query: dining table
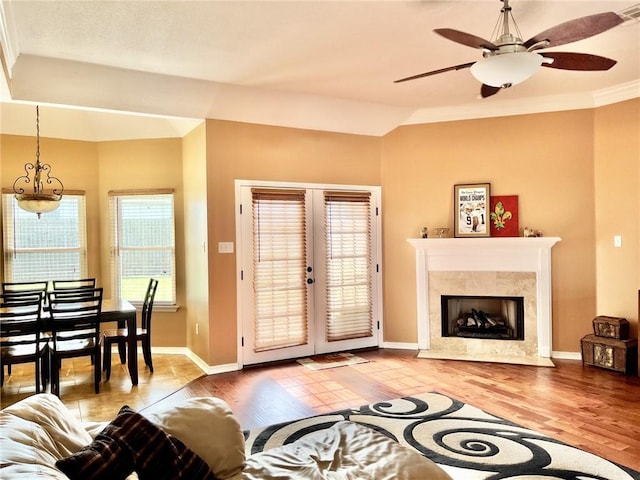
[[124, 313]]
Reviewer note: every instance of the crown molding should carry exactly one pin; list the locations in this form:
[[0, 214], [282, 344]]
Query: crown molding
[[618, 93], [8, 38], [554, 103]]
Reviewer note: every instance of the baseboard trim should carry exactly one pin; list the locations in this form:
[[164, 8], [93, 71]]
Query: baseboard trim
[[400, 345], [200, 363], [224, 368], [169, 350], [566, 355], [234, 367]]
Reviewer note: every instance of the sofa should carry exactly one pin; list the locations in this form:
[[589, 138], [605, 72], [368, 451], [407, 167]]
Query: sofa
[[198, 438]]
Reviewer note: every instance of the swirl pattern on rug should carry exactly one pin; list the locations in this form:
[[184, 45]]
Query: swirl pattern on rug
[[465, 441]]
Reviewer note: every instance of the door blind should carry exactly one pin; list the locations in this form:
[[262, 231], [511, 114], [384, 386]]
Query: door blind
[[348, 259], [279, 263]]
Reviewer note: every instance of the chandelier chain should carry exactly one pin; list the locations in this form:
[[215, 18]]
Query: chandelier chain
[[37, 134]]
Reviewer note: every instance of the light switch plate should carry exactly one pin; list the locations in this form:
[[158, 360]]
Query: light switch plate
[[225, 247], [617, 240]]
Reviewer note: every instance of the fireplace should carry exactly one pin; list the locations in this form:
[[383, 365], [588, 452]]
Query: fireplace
[[482, 317], [513, 267]]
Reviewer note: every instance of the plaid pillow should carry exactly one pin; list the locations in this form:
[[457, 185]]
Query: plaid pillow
[[131, 442], [104, 459]]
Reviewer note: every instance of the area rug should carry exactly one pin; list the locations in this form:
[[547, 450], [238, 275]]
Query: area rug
[[468, 443], [332, 360]]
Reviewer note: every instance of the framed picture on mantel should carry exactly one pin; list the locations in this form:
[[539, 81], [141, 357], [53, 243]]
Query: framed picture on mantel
[[470, 203]]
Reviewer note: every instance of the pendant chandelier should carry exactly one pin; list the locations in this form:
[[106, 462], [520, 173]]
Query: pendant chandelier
[[29, 189]]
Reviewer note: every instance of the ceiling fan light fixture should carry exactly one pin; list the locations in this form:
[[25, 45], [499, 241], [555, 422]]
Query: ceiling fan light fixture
[[506, 69]]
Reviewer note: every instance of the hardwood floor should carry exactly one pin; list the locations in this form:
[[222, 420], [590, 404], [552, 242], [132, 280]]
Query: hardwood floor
[[593, 409], [590, 408]]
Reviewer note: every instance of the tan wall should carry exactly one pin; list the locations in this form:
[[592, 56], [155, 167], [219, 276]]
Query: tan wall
[[154, 163], [545, 159], [564, 166], [75, 163], [255, 152], [617, 188], [194, 168]]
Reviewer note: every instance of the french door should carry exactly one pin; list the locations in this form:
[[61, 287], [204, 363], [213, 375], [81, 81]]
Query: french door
[[308, 261]]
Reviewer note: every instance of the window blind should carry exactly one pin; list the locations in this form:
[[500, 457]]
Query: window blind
[[280, 252], [52, 247], [143, 244], [348, 259]]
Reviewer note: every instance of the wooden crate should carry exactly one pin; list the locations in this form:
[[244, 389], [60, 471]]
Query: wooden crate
[[611, 327], [610, 353]]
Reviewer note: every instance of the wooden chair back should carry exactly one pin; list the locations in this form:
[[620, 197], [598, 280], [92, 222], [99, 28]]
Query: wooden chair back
[[147, 305], [74, 284], [21, 327], [75, 315], [24, 287]]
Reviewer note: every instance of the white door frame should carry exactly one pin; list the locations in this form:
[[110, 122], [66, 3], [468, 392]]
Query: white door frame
[[376, 251]]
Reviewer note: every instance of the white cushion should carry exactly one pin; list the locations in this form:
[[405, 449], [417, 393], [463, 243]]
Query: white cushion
[[46, 410], [36, 432], [347, 450], [207, 426]]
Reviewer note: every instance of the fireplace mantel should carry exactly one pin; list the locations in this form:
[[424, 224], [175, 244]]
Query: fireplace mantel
[[504, 254]]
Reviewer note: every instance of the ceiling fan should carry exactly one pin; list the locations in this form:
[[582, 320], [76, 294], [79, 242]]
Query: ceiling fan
[[508, 60]]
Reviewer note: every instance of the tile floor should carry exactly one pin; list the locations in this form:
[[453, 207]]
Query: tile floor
[[171, 372]]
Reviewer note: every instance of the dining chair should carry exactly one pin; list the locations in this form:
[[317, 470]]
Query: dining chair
[[9, 287], [21, 335], [24, 287], [143, 333], [75, 330], [74, 284]]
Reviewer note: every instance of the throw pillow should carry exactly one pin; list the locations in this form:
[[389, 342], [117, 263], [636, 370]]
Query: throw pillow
[[131, 442], [207, 426], [106, 458]]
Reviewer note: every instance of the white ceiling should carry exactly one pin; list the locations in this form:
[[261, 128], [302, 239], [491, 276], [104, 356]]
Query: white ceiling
[[327, 65]]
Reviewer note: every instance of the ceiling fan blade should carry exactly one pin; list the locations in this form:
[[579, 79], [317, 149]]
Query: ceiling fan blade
[[465, 38], [488, 90], [577, 61], [577, 29], [435, 72]]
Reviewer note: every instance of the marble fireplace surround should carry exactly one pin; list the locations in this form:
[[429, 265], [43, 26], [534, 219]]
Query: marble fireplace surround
[[508, 266]]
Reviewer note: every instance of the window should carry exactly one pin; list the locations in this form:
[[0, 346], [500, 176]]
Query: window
[[143, 244], [52, 247]]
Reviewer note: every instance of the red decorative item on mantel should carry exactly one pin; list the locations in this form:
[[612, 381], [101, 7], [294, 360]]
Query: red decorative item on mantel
[[504, 216]]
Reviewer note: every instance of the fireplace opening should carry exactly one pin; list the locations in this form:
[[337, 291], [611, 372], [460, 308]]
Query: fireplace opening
[[498, 318]]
